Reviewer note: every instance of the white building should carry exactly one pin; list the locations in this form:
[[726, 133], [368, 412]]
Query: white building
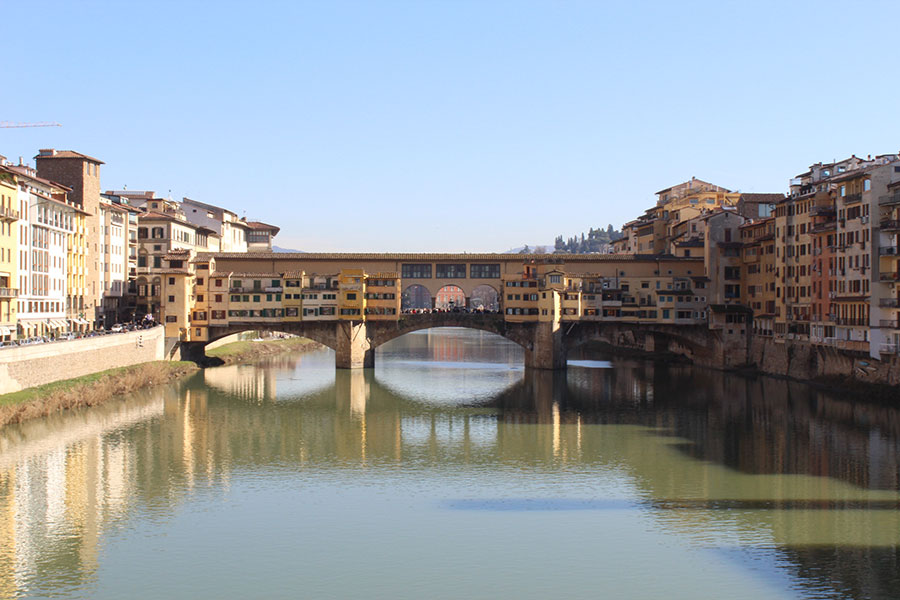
[[45, 222], [231, 230]]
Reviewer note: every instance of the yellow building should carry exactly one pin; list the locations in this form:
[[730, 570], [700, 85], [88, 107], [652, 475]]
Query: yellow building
[[520, 296], [9, 255], [293, 282], [351, 295], [177, 298], [76, 275], [382, 296], [758, 273]]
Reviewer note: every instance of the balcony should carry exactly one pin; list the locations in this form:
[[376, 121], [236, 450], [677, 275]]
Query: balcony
[[8, 214], [887, 251], [889, 323], [889, 277], [890, 199], [889, 302], [8, 293], [278, 289], [857, 322], [889, 349], [852, 198], [890, 225]]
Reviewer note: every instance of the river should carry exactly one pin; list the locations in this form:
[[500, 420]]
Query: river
[[449, 471]]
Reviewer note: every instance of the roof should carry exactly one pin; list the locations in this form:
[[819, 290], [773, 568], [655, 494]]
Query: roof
[[53, 153], [206, 205], [260, 226], [692, 181], [22, 171]]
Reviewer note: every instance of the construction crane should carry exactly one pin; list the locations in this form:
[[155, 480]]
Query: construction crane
[[10, 124]]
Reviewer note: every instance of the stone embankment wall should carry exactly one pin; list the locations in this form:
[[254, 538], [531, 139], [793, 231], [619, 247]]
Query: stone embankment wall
[[802, 360], [28, 366]]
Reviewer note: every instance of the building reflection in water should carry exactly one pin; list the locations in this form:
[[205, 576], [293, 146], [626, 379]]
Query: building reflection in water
[[760, 464]]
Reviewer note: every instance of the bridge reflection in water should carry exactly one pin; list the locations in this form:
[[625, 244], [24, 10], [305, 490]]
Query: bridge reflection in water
[[776, 472]]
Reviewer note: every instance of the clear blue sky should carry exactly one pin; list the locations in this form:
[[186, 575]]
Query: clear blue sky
[[449, 126]]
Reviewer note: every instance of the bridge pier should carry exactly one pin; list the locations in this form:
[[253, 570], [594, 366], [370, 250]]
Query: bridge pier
[[548, 349], [353, 349]]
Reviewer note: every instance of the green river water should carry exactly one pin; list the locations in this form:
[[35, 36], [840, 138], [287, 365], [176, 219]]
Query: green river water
[[448, 471]]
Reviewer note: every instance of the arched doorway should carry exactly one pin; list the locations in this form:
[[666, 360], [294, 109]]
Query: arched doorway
[[415, 297], [450, 297], [485, 297]]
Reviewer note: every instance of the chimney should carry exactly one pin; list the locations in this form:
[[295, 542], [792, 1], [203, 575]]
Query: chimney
[[21, 162]]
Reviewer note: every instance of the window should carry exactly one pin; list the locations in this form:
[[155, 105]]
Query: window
[[454, 271], [416, 271], [171, 281], [256, 298], [171, 298], [867, 185], [556, 279], [486, 271], [351, 296], [171, 319]]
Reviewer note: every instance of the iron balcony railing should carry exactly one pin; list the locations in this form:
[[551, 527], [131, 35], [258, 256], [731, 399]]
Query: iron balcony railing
[[889, 199], [892, 323], [888, 251], [8, 214], [888, 277], [890, 225], [852, 198], [6, 292], [889, 302]]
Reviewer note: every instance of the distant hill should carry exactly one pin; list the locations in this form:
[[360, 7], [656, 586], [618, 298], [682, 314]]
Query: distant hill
[[280, 249], [531, 249]]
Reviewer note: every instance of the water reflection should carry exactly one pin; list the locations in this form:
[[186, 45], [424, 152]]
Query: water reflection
[[783, 480]]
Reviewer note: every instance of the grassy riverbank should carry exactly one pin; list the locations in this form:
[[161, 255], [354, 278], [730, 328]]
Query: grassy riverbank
[[246, 351], [87, 390]]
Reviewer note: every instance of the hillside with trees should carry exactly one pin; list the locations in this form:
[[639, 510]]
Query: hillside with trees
[[596, 240]]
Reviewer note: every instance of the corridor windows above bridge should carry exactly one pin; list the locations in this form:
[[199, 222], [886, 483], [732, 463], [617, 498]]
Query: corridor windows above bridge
[[454, 271], [416, 271], [489, 271]]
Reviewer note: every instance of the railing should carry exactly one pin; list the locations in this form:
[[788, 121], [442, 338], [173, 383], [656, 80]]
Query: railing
[[891, 323], [274, 289], [852, 198], [9, 214], [888, 277], [6, 292], [889, 199], [889, 225], [889, 349], [888, 251], [889, 303], [852, 322]]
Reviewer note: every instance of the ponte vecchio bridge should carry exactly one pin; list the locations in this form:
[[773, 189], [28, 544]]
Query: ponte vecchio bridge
[[545, 341]]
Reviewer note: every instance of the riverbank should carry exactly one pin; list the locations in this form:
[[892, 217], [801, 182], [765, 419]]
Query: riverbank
[[87, 390], [249, 350], [841, 381]]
